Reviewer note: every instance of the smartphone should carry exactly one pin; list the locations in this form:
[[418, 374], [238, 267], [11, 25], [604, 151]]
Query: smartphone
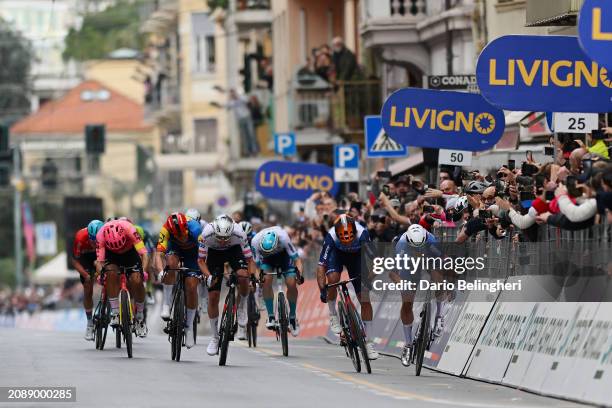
[[526, 196], [385, 189], [550, 195], [485, 214], [529, 155], [587, 165], [549, 151], [539, 180], [528, 169], [598, 134], [511, 165], [428, 209], [383, 174]]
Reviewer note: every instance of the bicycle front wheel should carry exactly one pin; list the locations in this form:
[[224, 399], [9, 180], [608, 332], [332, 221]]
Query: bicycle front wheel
[[349, 339], [283, 323], [97, 322], [423, 338], [227, 324], [360, 337], [178, 323], [104, 320], [126, 321]]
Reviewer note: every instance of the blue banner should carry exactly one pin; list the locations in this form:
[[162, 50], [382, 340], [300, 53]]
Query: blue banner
[[442, 119], [294, 181], [595, 31], [542, 73]]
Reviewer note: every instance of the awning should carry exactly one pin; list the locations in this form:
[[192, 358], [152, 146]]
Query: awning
[[406, 164], [54, 271]]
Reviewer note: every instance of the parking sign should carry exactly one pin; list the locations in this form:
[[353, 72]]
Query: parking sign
[[284, 144], [346, 162]]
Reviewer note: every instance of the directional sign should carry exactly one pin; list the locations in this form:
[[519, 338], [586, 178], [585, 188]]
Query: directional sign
[[346, 162], [455, 157], [46, 238], [378, 143], [284, 144], [595, 31], [575, 122]]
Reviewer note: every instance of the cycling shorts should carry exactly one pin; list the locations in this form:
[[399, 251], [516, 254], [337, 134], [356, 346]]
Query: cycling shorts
[[127, 259], [216, 259], [87, 261], [188, 256], [352, 261], [281, 261]]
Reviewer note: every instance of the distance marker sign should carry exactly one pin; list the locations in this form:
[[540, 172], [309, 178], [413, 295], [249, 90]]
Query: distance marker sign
[[442, 119]]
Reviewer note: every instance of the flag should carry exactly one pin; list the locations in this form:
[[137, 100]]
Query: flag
[[28, 230]]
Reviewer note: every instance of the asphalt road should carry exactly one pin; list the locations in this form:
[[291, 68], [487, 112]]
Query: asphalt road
[[315, 374]]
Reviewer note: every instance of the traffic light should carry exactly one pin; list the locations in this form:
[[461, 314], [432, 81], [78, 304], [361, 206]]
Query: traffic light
[[49, 174], [95, 139], [5, 157], [4, 138]]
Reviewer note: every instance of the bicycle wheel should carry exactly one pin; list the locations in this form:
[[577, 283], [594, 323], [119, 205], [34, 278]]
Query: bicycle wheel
[[97, 323], [227, 323], [117, 336], [103, 323], [196, 320], [253, 320], [360, 338], [178, 323], [349, 342], [423, 338], [283, 321], [126, 323]]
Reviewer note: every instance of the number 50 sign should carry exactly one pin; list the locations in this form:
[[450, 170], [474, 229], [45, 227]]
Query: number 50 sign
[[575, 122]]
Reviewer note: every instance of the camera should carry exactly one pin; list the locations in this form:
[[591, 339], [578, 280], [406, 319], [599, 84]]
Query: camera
[[511, 165], [528, 169], [485, 214]]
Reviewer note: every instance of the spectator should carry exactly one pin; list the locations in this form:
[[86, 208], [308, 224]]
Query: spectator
[[323, 65], [344, 61], [242, 113], [379, 227]]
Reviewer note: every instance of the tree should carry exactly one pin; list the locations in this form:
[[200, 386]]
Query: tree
[[15, 56], [102, 32]]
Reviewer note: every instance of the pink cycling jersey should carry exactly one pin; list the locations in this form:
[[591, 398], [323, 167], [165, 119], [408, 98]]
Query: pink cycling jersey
[[133, 240]]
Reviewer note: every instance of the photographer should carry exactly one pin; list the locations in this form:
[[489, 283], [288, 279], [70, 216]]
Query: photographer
[[379, 228]]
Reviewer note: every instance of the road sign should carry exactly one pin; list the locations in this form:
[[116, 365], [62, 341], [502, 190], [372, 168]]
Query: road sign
[[284, 144], [575, 122], [346, 162], [595, 31], [46, 238], [378, 143], [455, 157]]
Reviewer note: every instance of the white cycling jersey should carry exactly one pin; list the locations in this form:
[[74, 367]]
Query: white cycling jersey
[[207, 240], [284, 244]]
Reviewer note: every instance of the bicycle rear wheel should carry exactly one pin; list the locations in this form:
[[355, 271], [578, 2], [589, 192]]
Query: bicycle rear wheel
[[97, 323], [423, 338], [126, 322], [252, 313], [349, 342], [117, 336], [227, 323], [178, 323], [102, 325], [360, 338], [283, 321]]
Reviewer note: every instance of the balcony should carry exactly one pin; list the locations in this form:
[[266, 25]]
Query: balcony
[[251, 13], [162, 103], [392, 22], [553, 12], [340, 108]]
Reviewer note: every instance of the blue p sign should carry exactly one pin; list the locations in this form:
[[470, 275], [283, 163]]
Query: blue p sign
[[347, 156], [284, 144]]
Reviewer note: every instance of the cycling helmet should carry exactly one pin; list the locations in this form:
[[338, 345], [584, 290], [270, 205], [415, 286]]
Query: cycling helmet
[[92, 229], [475, 187], [461, 204], [269, 242], [177, 224], [114, 236], [223, 226], [345, 229], [109, 219], [247, 227], [193, 214], [416, 235], [127, 219]]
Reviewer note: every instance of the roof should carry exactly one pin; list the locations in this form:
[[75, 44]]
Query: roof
[[90, 102]]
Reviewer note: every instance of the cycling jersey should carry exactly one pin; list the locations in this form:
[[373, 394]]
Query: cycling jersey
[[82, 244], [284, 244], [429, 249], [331, 244], [133, 240], [168, 242], [208, 241]]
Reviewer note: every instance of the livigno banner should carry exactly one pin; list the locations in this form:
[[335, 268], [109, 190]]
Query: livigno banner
[[294, 181], [595, 31], [442, 119], [542, 73]]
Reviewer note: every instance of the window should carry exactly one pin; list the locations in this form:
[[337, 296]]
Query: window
[[205, 135], [210, 53], [175, 188], [203, 43]]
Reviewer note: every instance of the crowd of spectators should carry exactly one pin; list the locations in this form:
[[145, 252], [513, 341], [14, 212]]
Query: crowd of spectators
[[36, 298], [331, 63]]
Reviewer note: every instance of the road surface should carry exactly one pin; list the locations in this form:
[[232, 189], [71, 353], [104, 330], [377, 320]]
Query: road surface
[[315, 374]]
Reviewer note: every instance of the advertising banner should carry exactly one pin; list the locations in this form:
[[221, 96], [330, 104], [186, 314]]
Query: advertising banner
[[595, 31], [542, 73], [293, 181], [442, 119]]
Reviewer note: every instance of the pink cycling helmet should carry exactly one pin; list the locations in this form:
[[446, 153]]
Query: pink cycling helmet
[[114, 236]]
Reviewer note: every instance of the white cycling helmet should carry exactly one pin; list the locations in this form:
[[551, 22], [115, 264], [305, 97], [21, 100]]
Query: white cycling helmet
[[223, 227], [193, 214], [247, 227], [416, 235], [461, 204]]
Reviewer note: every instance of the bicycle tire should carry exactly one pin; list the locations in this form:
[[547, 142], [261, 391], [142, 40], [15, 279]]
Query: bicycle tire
[[196, 320], [253, 320], [97, 323], [117, 337], [178, 323], [283, 323], [360, 337], [349, 343], [227, 323], [126, 324], [423, 338], [104, 321]]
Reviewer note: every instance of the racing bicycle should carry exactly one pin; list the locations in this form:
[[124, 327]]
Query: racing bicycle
[[253, 315], [353, 337], [423, 337], [101, 317], [229, 318], [126, 310], [281, 327]]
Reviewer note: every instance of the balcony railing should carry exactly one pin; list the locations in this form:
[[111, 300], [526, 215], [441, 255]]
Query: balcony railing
[[242, 5], [405, 8], [162, 97]]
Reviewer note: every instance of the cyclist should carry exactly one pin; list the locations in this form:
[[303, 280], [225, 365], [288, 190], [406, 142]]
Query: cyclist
[[247, 227], [119, 245], [415, 241], [178, 241], [272, 248], [342, 248], [193, 214], [224, 241], [83, 260]]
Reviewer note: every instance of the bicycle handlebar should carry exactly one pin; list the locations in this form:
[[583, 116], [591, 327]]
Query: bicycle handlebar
[[341, 283]]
